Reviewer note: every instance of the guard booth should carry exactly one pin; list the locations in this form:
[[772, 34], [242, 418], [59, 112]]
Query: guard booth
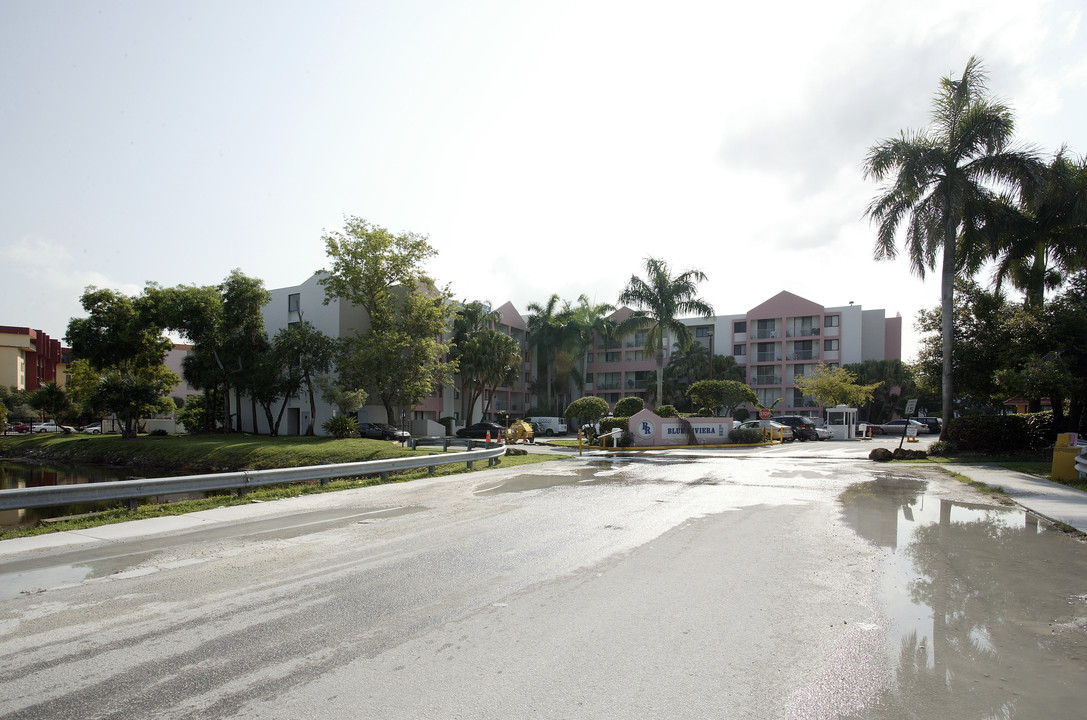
[[843, 421]]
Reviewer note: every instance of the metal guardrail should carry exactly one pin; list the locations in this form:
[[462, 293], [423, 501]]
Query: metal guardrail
[[1081, 464], [54, 495]]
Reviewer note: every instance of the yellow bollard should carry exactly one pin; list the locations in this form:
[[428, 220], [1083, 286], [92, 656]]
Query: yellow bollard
[[1065, 452]]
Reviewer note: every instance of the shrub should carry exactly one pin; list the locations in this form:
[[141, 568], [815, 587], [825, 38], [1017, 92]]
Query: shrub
[[341, 426], [586, 410], [741, 414], [158, 433], [745, 436], [1001, 434], [666, 411], [704, 412], [626, 439], [610, 423], [942, 448], [629, 406]]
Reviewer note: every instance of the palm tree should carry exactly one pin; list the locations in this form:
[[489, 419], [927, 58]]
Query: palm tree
[[938, 182], [587, 320], [660, 301], [1041, 240], [545, 330]]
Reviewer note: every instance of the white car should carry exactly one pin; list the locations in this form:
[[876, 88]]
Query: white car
[[824, 433], [52, 427], [93, 429]]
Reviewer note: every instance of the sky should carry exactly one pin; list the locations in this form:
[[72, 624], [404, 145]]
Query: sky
[[543, 147]]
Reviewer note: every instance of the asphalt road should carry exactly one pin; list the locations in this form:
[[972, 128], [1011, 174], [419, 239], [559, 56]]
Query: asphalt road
[[661, 587]]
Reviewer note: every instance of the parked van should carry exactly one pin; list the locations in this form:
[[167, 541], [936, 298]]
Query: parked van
[[548, 425]]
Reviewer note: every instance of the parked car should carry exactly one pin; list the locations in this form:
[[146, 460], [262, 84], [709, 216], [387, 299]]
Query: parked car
[[898, 427], [19, 428], [93, 429], [480, 430], [785, 432], [52, 427], [803, 427], [382, 431], [824, 433], [933, 423]]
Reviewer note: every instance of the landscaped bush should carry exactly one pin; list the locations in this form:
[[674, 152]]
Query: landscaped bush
[[626, 439], [741, 414], [628, 406], [942, 448], [341, 426], [1002, 434], [666, 411], [159, 433], [745, 436]]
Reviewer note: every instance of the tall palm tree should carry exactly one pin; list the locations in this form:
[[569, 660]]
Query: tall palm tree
[[587, 320], [659, 301], [545, 331], [1043, 238], [940, 178]]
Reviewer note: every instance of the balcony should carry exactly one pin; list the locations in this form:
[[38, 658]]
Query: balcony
[[766, 380], [809, 332], [804, 355], [768, 357], [616, 385], [765, 334]]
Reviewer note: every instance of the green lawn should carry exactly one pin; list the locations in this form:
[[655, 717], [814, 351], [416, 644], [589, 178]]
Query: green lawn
[[215, 453]]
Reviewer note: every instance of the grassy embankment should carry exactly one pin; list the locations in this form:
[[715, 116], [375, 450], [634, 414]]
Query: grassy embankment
[[213, 453]]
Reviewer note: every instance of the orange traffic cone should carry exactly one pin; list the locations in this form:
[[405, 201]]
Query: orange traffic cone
[[488, 436]]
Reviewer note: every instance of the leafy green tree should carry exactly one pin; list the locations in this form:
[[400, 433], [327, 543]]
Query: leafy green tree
[[122, 341], [939, 183], [308, 354], [585, 410], [399, 358], [51, 400], [717, 394], [225, 324], [469, 323], [659, 301], [16, 402], [134, 395], [347, 400], [832, 386], [496, 359], [982, 322], [892, 380]]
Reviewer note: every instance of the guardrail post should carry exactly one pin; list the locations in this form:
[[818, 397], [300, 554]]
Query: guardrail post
[[470, 465], [384, 477], [411, 443], [133, 503], [431, 469], [445, 445]]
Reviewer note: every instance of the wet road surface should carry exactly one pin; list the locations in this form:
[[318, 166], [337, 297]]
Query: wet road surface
[[711, 587]]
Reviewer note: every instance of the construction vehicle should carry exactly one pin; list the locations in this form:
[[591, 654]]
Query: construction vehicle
[[519, 430]]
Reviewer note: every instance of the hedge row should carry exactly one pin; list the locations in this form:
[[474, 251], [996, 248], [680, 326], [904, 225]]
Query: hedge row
[[1000, 434]]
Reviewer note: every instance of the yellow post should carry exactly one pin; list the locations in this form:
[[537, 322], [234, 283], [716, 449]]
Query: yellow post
[[1065, 453]]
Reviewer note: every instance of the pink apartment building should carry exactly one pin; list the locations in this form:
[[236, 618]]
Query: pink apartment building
[[775, 342]]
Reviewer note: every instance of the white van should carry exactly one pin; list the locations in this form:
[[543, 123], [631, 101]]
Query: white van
[[548, 425]]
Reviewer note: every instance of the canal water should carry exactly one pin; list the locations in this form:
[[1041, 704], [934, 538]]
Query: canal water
[[24, 475]]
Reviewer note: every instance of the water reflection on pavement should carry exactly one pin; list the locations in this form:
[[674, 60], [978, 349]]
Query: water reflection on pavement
[[985, 606]]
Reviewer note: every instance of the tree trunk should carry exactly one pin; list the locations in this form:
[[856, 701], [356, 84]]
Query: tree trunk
[[660, 377], [947, 307], [312, 406]]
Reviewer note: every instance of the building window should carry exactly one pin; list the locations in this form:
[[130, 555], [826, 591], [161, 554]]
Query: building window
[[831, 320], [830, 345], [702, 332], [589, 379], [294, 301], [739, 350], [613, 357], [635, 355], [589, 358], [740, 326]]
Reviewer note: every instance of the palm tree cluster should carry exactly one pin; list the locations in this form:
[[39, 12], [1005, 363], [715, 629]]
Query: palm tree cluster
[[965, 194], [562, 334]]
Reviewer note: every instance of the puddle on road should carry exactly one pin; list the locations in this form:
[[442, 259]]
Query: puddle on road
[[985, 605], [607, 472]]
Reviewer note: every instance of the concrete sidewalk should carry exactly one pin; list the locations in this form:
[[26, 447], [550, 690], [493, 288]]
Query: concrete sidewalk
[[1051, 500]]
